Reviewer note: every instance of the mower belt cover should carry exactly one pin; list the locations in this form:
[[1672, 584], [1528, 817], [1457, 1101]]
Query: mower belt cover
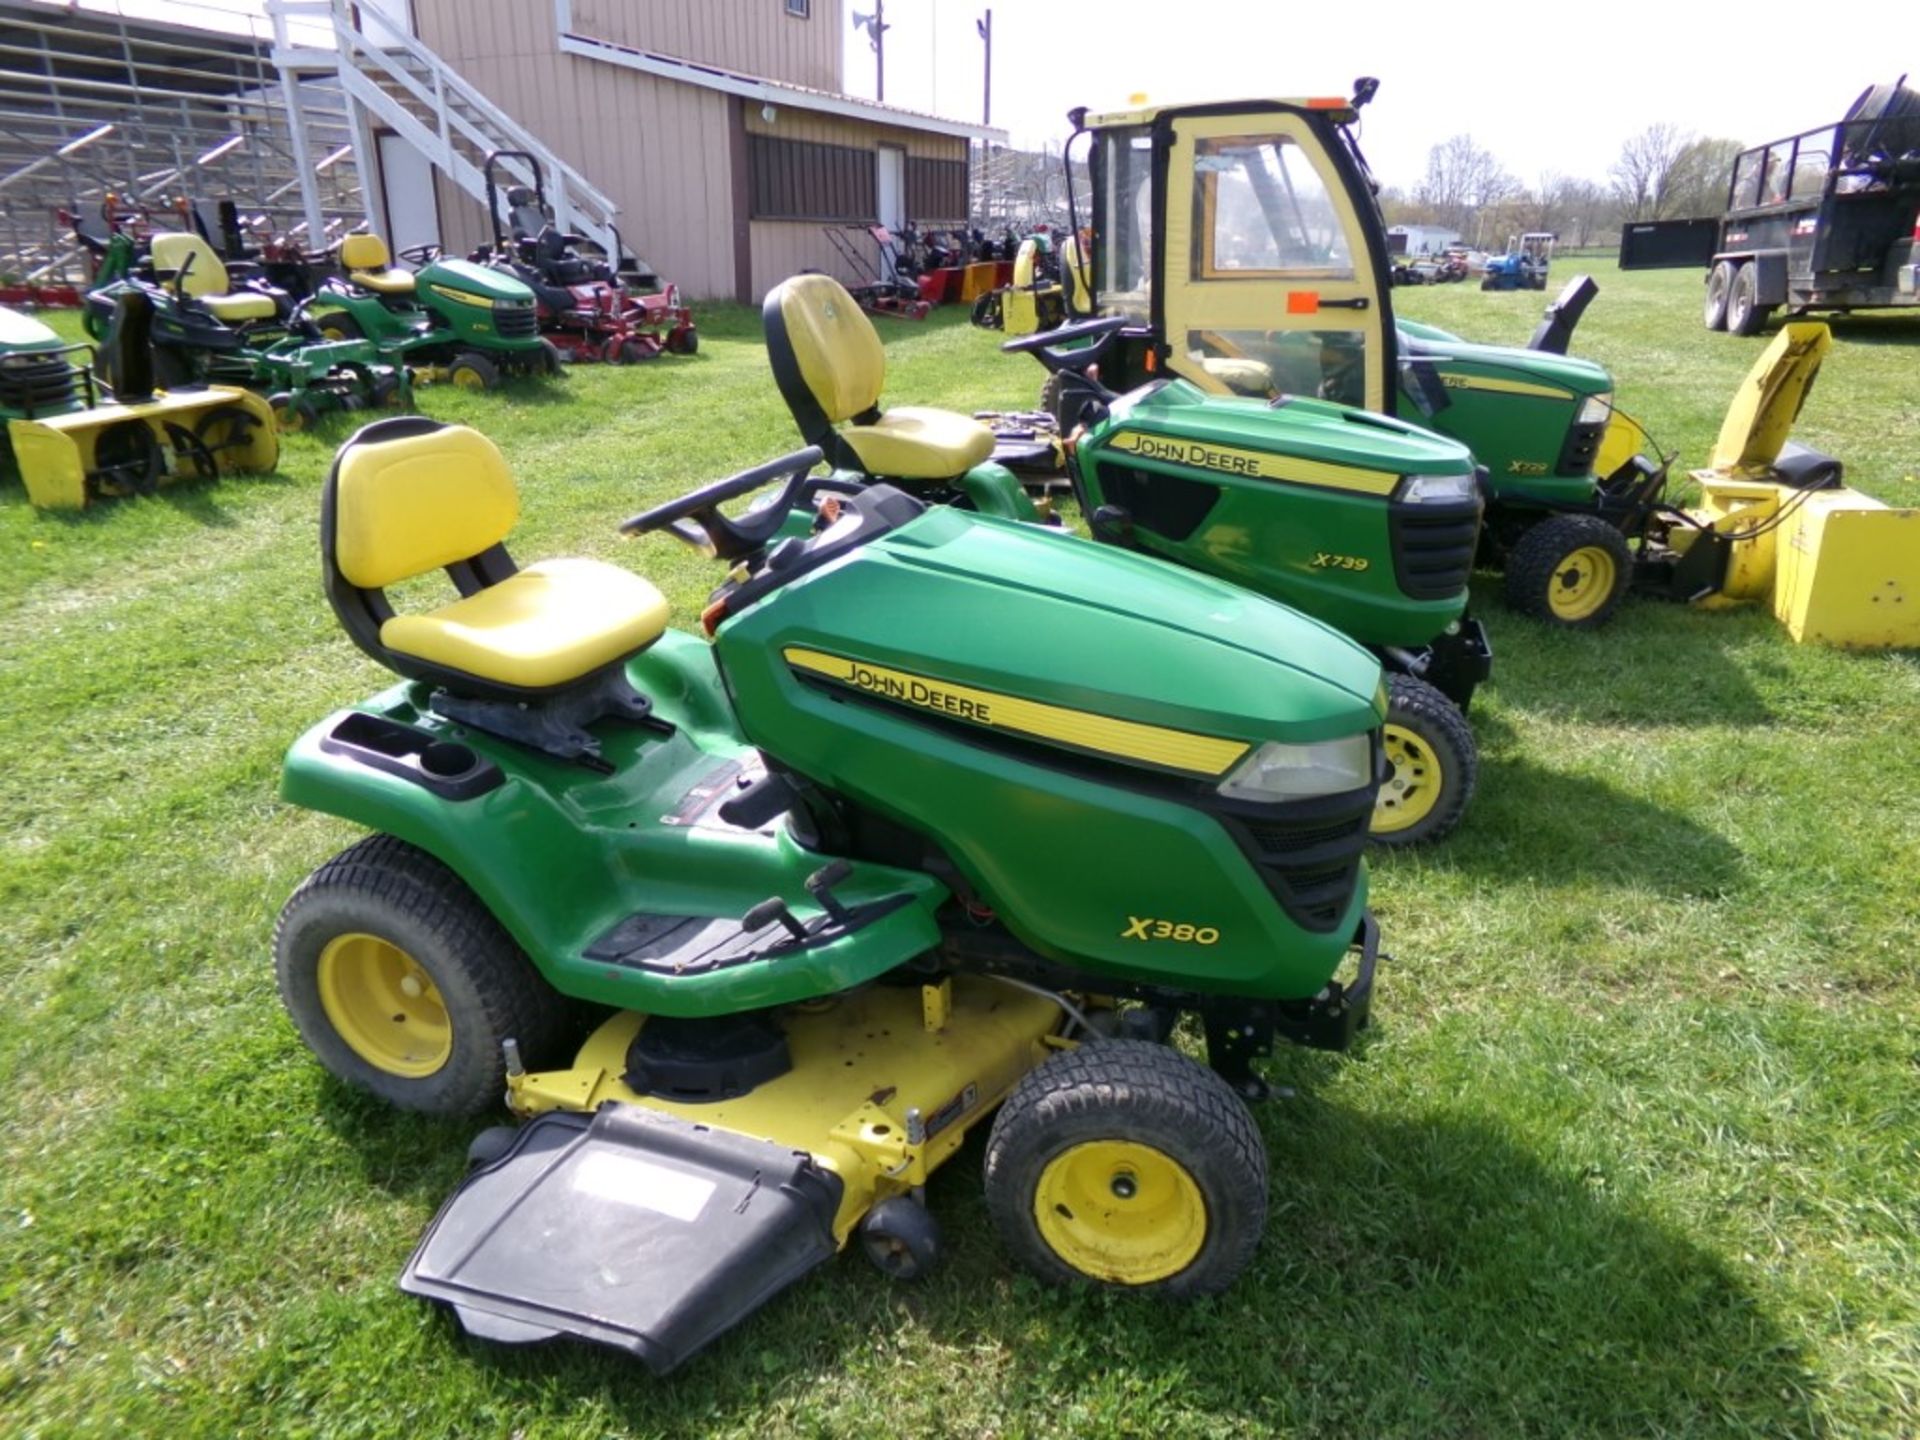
[[629, 1228], [64, 459]]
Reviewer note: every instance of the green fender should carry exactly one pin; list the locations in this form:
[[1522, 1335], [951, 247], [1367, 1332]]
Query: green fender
[[995, 490]]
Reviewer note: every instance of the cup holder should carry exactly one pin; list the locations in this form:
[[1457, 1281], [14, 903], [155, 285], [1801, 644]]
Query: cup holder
[[450, 770], [447, 761]]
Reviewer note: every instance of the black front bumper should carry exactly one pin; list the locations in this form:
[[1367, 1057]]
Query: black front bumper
[[1455, 663], [1332, 1018]]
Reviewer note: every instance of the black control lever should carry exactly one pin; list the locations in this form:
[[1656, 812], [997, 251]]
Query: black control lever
[[820, 885], [773, 911]]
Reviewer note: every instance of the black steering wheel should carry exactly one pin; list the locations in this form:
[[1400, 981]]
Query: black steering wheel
[[1045, 345], [696, 519], [420, 254]]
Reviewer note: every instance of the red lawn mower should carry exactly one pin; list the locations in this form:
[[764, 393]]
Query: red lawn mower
[[587, 309]]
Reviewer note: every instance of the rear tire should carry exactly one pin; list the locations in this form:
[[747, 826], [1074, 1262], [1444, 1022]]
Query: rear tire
[[339, 325], [1435, 766], [1570, 570], [1745, 314], [1719, 288], [1124, 1163], [403, 983]]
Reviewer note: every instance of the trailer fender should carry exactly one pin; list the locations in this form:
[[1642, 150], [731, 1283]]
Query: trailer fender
[[1769, 272]]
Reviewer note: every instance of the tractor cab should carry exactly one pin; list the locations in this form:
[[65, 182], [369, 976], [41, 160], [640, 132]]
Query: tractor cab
[[1235, 236]]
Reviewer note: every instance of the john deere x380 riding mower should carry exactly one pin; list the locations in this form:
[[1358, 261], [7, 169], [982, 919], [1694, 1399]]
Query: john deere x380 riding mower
[[816, 864], [1364, 523]]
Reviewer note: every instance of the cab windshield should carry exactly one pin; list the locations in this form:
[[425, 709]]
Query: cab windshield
[[1123, 260]]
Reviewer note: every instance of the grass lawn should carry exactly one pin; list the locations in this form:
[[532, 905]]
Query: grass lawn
[[1633, 1149]]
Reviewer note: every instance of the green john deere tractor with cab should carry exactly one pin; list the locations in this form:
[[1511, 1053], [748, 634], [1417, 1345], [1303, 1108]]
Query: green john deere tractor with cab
[[813, 860], [1242, 243]]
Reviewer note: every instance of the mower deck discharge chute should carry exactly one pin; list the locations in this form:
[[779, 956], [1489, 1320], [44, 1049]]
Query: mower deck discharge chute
[[72, 444], [1366, 524], [814, 864]]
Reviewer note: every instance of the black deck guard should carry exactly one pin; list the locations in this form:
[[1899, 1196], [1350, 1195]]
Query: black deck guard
[[628, 1228]]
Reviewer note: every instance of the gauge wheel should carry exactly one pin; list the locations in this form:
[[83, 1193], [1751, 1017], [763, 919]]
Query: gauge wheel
[[1570, 570], [1745, 314], [684, 341], [403, 984], [1719, 290], [471, 371], [1124, 1163], [901, 1238], [293, 412], [1433, 766]]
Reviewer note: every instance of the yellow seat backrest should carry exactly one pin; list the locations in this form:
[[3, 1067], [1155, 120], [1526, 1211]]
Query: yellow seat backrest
[[404, 507], [835, 346], [364, 252], [207, 277]]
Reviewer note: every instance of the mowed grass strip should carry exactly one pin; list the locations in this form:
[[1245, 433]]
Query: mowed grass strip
[[1631, 1150]]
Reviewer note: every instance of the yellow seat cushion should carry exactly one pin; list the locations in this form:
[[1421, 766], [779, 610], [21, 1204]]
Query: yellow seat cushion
[[550, 624], [917, 443], [1243, 377], [238, 307], [384, 282]]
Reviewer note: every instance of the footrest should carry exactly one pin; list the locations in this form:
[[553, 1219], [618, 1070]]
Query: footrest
[[628, 1228]]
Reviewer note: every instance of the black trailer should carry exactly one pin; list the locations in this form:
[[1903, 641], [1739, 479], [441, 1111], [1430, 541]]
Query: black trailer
[[1826, 220]]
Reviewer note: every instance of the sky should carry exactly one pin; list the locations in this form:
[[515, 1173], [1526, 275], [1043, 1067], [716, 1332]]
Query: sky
[[1558, 88]]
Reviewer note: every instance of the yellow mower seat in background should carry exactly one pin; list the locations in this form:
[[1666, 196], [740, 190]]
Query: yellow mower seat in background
[[369, 266], [206, 280], [830, 365], [411, 496]]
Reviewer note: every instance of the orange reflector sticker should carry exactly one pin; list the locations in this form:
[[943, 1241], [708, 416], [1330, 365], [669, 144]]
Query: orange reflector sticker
[[711, 617], [1303, 302], [1153, 362], [1327, 102]]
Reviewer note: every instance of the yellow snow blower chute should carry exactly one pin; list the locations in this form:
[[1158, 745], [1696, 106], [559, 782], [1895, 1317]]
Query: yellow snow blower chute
[[71, 445], [1776, 525]]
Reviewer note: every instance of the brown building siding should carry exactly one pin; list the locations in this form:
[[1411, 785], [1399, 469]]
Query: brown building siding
[[754, 37]]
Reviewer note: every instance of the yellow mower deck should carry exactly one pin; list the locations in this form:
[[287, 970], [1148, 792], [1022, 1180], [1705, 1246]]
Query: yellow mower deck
[[886, 1082], [58, 456]]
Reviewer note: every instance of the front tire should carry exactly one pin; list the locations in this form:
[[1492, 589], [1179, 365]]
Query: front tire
[[471, 371], [1435, 766], [403, 984], [1124, 1163], [1570, 570]]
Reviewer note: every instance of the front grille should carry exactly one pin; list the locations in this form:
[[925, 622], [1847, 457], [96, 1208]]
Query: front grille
[[516, 324], [1308, 851], [1433, 547], [38, 385], [1582, 445]]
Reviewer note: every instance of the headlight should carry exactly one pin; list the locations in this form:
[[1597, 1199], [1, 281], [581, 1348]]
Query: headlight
[[1295, 772], [1436, 489], [1595, 409]]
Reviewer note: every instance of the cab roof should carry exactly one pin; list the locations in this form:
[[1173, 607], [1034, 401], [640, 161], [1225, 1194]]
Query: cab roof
[[1339, 108]]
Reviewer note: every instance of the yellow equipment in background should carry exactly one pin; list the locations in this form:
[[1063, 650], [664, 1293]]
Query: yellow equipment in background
[[1837, 567], [72, 446], [1031, 303]]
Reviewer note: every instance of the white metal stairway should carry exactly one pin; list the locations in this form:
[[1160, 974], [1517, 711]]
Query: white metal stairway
[[409, 89]]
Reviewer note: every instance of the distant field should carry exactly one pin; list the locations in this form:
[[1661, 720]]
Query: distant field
[[1633, 1149]]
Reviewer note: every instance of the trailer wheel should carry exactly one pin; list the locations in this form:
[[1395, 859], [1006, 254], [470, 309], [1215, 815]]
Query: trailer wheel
[[1570, 570], [1435, 764], [1719, 288], [1127, 1164], [403, 983], [1745, 314]]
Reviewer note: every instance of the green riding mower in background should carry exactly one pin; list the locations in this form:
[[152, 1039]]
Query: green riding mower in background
[[451, 320], [74, 441], [204, 332], [815, 866], [1369, 525]]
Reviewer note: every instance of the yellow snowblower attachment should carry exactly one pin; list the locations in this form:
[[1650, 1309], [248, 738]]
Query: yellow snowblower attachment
[[1837, 566], [126, 449]]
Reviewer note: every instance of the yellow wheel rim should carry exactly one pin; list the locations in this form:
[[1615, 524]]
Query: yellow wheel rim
[[1581, 583], [1412, 787], [468, 379], [290, 419], [384, 1005], [1120, 1211], [333, 332]]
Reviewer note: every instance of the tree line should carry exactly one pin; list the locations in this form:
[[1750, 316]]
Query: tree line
[[1663, 173]]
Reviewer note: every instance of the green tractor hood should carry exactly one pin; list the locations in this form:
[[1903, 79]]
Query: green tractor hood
[[463, 278], [23, 335]]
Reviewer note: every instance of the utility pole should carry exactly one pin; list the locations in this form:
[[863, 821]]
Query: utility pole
[[985, 29], [876, 27]]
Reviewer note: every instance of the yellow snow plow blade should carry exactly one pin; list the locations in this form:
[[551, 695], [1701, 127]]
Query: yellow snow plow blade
[[1838, 567], [114, 449]]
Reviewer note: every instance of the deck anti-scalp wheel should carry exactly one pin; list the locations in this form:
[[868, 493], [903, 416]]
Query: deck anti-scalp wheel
[[1125, 1163], [1434, 764], [1570, 570], [403, 984]]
